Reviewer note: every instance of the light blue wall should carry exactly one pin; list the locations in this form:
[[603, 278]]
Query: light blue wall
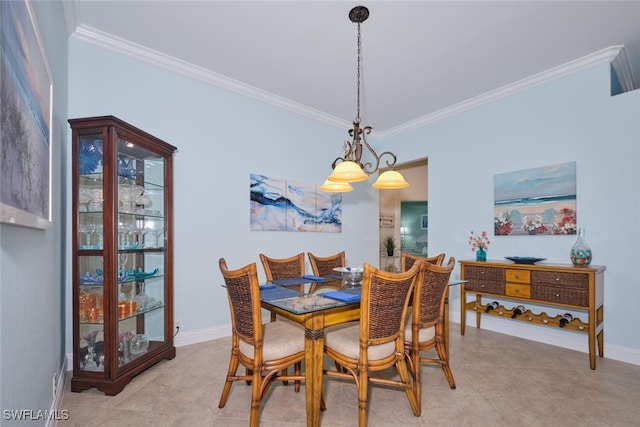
[[221, 137], [571, 119], [32, 267]]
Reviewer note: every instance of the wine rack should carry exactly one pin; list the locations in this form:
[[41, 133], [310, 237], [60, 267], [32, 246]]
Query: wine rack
[[529, 316], [553, 285]]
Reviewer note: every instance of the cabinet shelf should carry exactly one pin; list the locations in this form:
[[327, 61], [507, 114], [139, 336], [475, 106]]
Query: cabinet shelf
[[122, 221]]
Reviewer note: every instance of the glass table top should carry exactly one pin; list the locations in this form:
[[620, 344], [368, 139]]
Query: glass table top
[[300, 295]]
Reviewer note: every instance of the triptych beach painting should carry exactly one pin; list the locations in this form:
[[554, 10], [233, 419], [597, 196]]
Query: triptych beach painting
[[278, 204]]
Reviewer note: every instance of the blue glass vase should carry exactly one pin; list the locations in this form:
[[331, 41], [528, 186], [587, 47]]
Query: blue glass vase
[[481, 254]]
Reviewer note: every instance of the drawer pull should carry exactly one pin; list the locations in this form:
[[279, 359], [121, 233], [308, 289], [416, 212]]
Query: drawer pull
[[581, 327], [530, 318], [517, 276], [545, 321], [500, 313], [482, 273], [517, 290], [482, 286], [557, 295], [557, 279], [475, 308]]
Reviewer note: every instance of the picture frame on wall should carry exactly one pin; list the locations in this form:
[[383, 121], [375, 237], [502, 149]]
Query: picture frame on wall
[[26, 114], [387, 220], [424, 222]]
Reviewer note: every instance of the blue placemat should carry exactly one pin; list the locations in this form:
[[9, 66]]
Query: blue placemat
[[267, 286], [291, 281], [347, 296], [272, 294], [314, 278]]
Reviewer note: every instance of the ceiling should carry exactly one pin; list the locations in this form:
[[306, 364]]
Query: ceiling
[[419, 58]]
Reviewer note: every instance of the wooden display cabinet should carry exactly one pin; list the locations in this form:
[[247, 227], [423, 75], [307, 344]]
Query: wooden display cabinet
[[558, 286], [122, 252]]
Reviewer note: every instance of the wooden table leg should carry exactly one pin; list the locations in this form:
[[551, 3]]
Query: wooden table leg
[[446, 321], [313, 359], [463, 309]]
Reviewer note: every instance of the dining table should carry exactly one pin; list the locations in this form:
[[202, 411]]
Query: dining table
[[315, 303]]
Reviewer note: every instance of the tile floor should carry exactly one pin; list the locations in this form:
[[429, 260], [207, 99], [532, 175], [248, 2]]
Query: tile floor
[[501, 381]]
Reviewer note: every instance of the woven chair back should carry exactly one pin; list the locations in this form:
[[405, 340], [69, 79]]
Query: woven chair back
[[384, 302], [407, 260], [243, 293], [323, 266], [430, 292], [283, 268]]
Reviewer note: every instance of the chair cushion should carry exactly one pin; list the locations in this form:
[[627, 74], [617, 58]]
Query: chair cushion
[[345, 339], [281, 339], [424, 334]]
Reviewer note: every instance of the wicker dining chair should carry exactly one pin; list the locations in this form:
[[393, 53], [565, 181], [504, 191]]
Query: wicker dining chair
[[282, 268], [323, 266], [424, 328], [264, 350], [376, 342], [407, 260]]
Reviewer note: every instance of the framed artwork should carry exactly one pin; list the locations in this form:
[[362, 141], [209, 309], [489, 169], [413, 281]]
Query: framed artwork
[[386, 220], [276, 204], [26, 117], [536, 201], [424, 222]]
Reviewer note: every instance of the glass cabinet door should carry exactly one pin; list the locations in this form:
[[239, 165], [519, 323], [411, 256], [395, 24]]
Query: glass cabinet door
[[90, 243], [141, 255]]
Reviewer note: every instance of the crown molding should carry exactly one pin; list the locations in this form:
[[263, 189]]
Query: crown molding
[[622, 68], [159, 59], [604, 56]]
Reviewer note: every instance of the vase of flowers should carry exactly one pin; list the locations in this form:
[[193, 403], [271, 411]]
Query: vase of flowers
[[479, 244]]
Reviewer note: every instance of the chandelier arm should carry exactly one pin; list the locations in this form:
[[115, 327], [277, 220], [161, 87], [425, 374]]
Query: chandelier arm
[[368, 167]]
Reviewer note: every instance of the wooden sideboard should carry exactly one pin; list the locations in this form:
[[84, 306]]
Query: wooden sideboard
[[553, 285]]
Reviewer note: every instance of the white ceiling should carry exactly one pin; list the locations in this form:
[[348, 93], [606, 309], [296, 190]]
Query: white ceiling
[[418, 57]]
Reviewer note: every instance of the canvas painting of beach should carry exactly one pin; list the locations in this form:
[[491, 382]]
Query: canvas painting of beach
[[536, 201]]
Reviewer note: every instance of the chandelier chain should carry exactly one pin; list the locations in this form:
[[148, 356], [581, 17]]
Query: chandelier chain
[[358, 78]]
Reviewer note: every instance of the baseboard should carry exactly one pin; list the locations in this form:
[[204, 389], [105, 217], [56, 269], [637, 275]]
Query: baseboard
[[571, 340], [56, 403], [202, 335]]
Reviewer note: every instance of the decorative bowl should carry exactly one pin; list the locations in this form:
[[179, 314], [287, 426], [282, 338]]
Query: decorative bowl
[[524, 259], [350, 274]]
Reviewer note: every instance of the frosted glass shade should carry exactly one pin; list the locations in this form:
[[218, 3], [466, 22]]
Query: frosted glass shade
[[348, 171], [390, 180], [335, 187]]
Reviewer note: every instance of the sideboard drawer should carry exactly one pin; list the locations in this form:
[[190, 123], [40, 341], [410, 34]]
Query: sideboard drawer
[[485, 273], [555, 278], [561, 294], [521, 290], [489, 286], [518, 276]]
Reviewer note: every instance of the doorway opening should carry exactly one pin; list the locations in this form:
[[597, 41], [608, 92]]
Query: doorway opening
[[391, 215]]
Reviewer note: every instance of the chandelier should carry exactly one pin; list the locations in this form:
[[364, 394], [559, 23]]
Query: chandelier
[[350, 167]]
